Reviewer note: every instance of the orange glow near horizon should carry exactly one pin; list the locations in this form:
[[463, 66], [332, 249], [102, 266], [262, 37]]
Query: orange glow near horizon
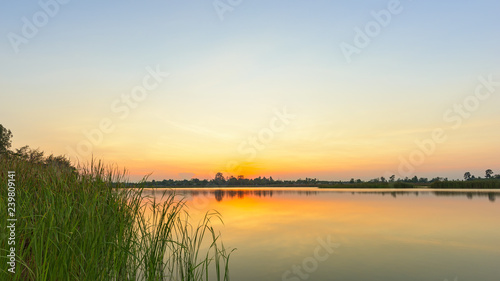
[[365, 159], [294, 154]]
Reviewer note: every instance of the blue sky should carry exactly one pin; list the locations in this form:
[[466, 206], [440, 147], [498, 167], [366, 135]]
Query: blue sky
[[228, 77]]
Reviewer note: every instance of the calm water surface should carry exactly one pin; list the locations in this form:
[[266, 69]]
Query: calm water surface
[[317, 234]]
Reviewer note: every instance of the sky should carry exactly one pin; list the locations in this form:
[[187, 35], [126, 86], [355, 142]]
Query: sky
[[290, 89]]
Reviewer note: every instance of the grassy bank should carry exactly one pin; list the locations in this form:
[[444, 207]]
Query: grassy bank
[[86, 225], [471, 184]]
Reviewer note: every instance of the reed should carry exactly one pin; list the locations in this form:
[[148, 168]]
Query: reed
[[86, 224]]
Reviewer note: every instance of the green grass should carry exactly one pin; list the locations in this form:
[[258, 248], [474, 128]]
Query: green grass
[[87, 225], [368, 185], [473, 184]]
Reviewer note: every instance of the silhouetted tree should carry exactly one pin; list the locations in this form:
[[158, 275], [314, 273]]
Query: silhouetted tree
[[423, 180], [5, 139], [30, 155], [60, 162], [488, 172], [392, 178], [232, 181], [467, 176], [414, 179], [219, 178]]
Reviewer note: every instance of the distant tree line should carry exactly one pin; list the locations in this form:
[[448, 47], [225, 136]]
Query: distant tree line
[[220, 180], [488, 174]]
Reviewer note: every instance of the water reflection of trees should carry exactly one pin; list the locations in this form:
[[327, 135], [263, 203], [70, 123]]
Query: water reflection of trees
[[469, 194], [221, 194], [491, 195]]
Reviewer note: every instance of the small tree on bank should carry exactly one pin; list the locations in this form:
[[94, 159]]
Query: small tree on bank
[[488, 173], [5, 139]]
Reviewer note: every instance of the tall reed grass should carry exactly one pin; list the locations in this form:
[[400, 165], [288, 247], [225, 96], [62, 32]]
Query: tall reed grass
[[89, 225]]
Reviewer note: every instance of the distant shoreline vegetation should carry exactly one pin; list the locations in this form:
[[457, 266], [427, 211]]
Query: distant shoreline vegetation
[[490, 181]]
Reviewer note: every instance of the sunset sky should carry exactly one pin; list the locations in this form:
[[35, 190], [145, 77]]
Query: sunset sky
[[289, 89]]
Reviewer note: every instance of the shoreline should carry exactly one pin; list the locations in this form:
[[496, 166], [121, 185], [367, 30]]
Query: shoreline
[[420, 188]]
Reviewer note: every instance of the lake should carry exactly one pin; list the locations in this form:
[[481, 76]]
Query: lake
[[355, 234]]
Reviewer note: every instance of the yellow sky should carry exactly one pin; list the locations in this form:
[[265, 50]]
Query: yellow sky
[[171, 89]]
